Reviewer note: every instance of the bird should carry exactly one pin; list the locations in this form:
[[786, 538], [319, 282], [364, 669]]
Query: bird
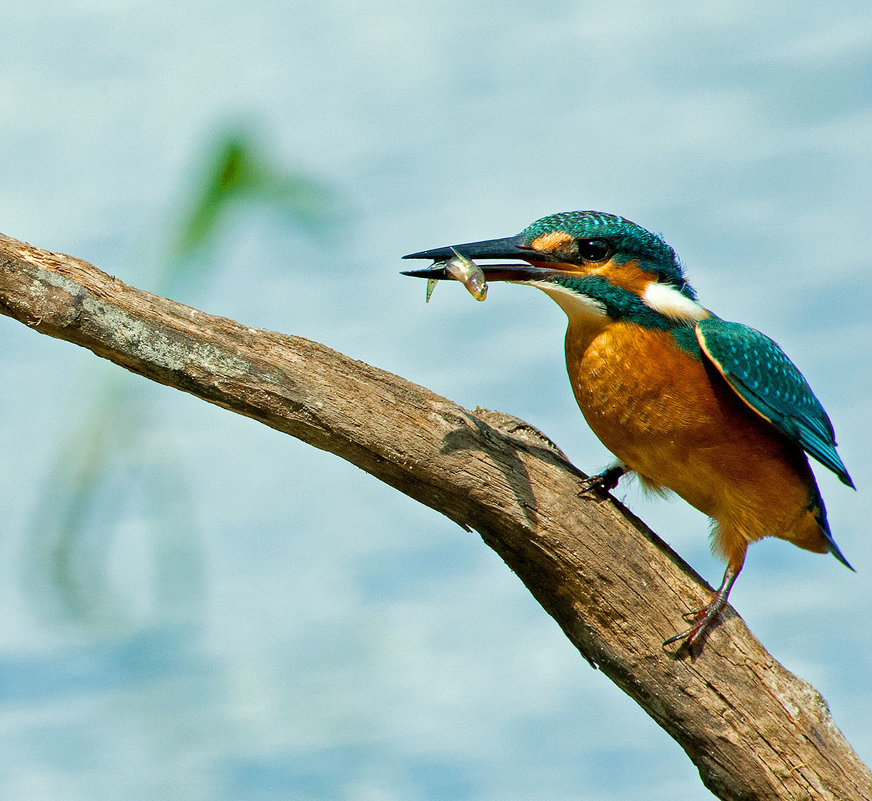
[[711, 410]]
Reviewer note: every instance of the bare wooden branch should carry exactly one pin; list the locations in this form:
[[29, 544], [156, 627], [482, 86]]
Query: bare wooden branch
[[754, 730]]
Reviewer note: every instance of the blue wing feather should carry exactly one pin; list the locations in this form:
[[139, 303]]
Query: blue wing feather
[[762, 375]]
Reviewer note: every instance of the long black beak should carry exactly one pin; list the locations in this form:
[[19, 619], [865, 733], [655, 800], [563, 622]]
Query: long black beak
[[512, 247]]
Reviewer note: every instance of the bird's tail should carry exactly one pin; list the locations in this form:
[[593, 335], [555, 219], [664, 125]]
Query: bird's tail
[[819, 511]]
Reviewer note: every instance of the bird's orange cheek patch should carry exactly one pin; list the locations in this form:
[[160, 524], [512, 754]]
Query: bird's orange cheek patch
[[552, 241], [627, 275]]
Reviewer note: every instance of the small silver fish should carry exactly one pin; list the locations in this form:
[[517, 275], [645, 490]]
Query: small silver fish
[[467, 272]]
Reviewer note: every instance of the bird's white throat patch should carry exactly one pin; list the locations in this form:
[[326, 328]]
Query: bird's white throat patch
[[577, 307], [668, 301]]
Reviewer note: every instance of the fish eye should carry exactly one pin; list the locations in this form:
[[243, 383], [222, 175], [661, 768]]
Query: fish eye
[[594, 249]]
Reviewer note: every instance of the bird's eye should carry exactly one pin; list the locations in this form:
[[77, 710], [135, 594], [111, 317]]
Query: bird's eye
[[594, 249]]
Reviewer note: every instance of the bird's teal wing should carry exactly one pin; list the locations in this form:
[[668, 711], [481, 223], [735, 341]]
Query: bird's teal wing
[[762, 375]]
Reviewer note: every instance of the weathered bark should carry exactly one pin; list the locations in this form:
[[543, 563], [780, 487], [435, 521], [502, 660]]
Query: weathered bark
[[754, 730]]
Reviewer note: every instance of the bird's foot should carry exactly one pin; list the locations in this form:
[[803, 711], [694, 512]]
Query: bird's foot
[[606, 481], [704, 617], [702, 620]]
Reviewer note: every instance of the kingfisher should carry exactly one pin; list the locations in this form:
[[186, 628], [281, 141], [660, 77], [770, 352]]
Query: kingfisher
[[710, 409]]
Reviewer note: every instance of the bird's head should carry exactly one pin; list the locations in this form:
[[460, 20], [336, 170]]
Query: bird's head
[[604, 261]]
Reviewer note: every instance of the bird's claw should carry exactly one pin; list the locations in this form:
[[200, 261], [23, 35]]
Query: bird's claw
[[704, 617], [695, 615], [607, 480], [694, 634]]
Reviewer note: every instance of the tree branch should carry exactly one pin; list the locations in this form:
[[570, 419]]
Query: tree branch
[[754, 730]]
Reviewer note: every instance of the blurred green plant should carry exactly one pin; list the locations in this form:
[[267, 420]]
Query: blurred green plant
[[239, 171], [104, 494]]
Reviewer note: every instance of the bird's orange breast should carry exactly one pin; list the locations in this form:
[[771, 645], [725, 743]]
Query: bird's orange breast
[[671, 418]]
